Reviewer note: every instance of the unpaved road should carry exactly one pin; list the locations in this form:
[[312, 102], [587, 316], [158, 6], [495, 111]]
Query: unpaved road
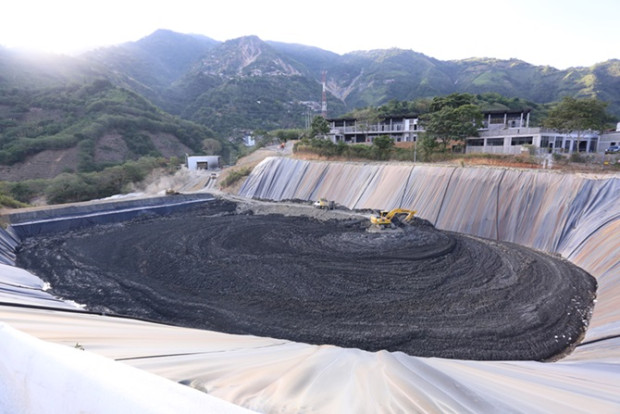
[[418, 290]]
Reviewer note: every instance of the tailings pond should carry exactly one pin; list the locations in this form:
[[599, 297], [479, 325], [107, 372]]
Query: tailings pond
[[417, 290]]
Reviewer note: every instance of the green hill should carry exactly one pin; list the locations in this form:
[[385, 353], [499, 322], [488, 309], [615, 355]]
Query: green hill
[[166, 93], [88, 126]]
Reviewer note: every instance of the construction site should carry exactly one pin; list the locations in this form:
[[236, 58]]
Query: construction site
[[326, 287]]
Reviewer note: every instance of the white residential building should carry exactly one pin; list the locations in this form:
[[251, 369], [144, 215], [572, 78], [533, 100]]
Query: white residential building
[[351, 130], [503, 132], [509, 132]]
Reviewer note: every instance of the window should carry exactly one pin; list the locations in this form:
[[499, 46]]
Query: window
[[522, 140], [545, 140], [593, 144], [495, 142], [475, 142]]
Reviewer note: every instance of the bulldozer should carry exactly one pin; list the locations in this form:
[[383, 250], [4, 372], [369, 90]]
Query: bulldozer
[[385, 217]]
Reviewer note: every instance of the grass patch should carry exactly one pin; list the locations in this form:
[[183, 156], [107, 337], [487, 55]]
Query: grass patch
[[235, 176], [10, 202]]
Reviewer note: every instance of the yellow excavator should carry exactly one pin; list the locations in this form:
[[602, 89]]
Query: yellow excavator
[[384, 219], [324, 203]]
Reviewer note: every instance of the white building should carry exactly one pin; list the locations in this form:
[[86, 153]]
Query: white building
[[503, 132], [203, 162], [351, 130], [248, 140], [609, 139], [509, 132]]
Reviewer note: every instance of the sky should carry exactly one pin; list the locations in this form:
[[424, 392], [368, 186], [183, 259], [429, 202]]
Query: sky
[[558, 33]]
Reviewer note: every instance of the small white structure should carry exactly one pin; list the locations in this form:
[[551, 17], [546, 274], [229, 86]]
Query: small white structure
[[203, 162], [248, 140]]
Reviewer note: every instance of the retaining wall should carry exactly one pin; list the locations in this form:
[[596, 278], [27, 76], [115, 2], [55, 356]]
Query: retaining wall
[[39, 222], [18, 286]]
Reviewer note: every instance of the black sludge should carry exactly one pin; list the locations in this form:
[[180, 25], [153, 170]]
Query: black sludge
[[421, 291]]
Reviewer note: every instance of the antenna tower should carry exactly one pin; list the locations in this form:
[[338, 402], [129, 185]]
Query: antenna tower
[[324, 97]]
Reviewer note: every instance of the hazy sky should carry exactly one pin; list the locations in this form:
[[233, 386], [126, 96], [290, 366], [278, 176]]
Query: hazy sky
[[559, 33]]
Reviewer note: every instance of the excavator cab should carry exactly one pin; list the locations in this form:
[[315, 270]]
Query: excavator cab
[[385, 217]]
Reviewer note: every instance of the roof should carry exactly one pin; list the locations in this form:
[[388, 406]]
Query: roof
[[410, 116], [507, 111]]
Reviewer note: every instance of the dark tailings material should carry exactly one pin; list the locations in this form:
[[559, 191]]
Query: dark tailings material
[[419, 290]]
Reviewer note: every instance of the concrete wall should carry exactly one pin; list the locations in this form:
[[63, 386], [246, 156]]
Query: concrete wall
[[87, 214]]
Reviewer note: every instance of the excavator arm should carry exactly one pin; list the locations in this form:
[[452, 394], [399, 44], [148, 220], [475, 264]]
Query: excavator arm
[[385, 217]]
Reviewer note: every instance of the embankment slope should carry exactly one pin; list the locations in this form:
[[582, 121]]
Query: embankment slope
[[575, 216]]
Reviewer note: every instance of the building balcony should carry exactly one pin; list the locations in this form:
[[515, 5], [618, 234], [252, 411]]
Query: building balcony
[[378, 128], [500, 132]]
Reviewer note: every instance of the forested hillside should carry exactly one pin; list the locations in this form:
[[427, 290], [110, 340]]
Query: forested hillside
[[165, 94], [87, 127], [224, 81]]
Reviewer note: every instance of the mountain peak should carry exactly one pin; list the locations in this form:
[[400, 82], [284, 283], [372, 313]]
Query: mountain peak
[[167, 38], [246, 56]]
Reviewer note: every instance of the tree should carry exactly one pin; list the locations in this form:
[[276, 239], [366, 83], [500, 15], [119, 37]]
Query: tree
[[285, 135], [211, 146], [453, 117], [366, 118], [395, 107], [454, 100], [383, 142], [382, 145], [319, 126], [428, 144], [578, 116]]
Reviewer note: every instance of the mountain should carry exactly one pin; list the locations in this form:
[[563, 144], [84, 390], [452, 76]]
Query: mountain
[[366, 78], [288, 78], [246, 84], [86, 127], [604, 83], [172, 90], [150, 65], [377, 76]]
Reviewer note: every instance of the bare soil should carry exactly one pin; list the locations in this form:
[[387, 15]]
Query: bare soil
[[45, 164]]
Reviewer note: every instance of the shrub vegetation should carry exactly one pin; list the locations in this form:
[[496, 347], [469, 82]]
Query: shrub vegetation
[[82, 186]]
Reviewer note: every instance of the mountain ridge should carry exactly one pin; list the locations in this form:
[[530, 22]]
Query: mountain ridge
[[158, 66], [246, 84]]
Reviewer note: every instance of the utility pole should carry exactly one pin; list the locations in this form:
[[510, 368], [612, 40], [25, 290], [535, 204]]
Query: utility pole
[[308, 118]]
